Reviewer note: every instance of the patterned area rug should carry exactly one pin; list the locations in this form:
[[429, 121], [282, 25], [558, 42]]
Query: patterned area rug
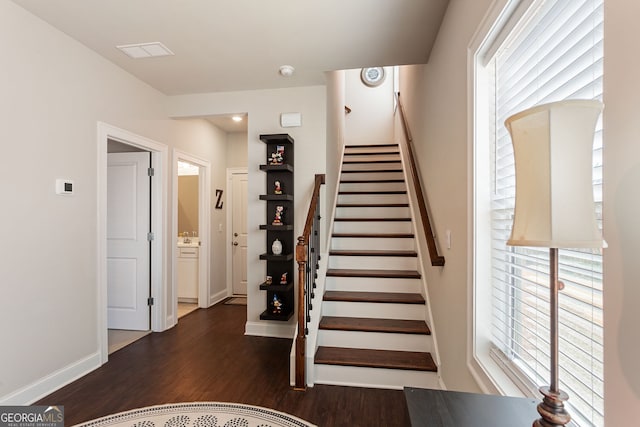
[[201, 414]]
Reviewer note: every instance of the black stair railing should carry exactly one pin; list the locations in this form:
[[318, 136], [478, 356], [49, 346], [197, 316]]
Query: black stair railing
[[308, 259]]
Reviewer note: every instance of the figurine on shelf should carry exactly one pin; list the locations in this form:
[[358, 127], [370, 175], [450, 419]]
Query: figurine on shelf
[[277, 188], [278, 218], [277, 158], [283, 279], [268, 280], [276, 305]]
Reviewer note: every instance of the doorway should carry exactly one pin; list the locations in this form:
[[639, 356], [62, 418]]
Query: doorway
[[191, 233], [237, 186], [128, 247], [156, 287]]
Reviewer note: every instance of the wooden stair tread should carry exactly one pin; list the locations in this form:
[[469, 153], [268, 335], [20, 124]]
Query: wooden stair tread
[[408, 360], [374, 235], [372, 171], [373, 252], [375, 297], [370, 145], [371, 181], [372, 205], [363, 324], [371, 219], [372, 153], [362, 162], [372, 192], [397, 274]]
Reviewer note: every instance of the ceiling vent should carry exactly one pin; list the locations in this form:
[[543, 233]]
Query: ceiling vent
[[145, 50]]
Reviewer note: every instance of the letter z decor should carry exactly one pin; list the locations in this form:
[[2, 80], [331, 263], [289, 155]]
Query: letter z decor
[[219, 201]]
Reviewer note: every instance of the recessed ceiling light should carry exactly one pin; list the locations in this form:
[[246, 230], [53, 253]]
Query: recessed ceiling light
[[236, 118], [286, 70], [145, 50]]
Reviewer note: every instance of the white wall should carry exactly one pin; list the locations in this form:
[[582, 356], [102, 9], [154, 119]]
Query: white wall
[[54, 91], [621, 213], [237, 150], [335, 134], [264, 108], [371, 117]]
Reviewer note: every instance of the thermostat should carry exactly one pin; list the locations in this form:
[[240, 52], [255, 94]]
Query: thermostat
[[64, 186]]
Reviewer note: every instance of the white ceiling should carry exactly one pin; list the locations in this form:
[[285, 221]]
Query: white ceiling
[[227, 124], [227, 45]]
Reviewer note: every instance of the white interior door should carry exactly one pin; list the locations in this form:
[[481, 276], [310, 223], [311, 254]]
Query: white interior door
[[239, 183], [128, 225]]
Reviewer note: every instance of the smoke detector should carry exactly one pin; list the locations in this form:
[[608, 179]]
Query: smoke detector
[[286, 70]]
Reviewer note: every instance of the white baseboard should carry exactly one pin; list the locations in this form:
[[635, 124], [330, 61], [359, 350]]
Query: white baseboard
[[44, 386], [170, 323], [266, 329], [217, 297]]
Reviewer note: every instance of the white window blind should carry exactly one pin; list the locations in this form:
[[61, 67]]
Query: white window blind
[[554, 53]]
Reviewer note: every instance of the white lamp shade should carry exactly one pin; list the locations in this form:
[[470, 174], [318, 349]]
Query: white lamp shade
[[553, 149]]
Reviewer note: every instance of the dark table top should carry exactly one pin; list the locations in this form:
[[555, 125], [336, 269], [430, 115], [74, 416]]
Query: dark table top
[[440, 408]]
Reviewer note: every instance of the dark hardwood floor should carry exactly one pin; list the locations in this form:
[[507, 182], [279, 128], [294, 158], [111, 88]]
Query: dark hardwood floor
[[207, 357]]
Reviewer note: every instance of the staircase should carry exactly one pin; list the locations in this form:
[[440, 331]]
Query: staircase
[[373, 331]]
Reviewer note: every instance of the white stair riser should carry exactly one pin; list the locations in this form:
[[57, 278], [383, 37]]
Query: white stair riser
[[370, 166], [373, 212], [371, 157], [372, 227], [372, 176], [373, 284], [372, 198], [387, 243], [373, 262], [375, 340], [374, 377], [373, 186], [381, 149], [374, 310]]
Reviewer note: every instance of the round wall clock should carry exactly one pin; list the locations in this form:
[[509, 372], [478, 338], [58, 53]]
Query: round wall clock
[[373, 76]]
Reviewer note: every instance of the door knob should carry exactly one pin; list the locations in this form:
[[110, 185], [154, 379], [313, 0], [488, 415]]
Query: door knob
[[235, 243]]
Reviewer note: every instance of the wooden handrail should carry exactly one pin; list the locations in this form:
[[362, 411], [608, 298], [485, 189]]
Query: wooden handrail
[[319, 180], [436, 259], [304, 287]]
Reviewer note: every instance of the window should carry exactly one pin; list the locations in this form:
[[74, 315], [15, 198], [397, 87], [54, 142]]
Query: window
[[552, 51]]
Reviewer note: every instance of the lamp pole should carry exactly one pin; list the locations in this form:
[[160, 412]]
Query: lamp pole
[[552, 406]]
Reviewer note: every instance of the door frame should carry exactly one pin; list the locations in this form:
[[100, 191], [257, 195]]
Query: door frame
[[159, 161], [204, 222], [230, 173]]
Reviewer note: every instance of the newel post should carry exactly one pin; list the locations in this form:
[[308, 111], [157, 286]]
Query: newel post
[[301, 339]]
